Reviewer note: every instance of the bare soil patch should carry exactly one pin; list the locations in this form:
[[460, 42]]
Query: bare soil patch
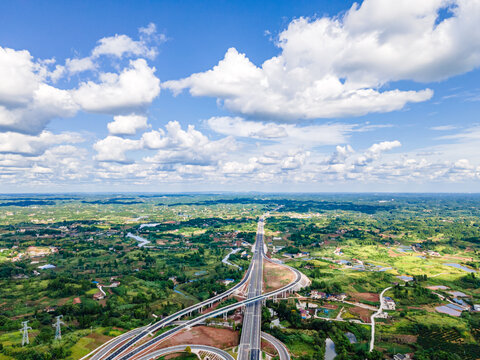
[[63, 301], [16, 317], [461, 258], [276, 276], [392, 253], [268, 348], [204, 335], [363, 314], [365, 296], [329, 306]]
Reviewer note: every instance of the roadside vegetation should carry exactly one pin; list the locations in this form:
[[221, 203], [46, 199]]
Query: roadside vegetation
[[60, 253]]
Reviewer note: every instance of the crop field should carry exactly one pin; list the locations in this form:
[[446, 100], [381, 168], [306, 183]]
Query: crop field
[[449, 340], [58, 255]]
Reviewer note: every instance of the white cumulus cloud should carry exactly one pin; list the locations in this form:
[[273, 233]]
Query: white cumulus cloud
[[120, 45], [330, 67], [189, 146], [16, 143], [79, 65], [127, 124], [308, 135], [27, 102], [113, 149], [134, 88]]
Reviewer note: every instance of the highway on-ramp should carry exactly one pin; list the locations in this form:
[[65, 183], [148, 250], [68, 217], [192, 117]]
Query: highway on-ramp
[[171, 318], [126, 351], [194, 348], [151, 344], [278, 345]]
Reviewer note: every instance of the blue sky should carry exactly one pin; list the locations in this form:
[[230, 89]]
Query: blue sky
[[239, 95]]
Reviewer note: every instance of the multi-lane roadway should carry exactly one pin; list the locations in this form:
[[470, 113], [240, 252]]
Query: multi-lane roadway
[[170, 319], [249, 346], [278, 345]]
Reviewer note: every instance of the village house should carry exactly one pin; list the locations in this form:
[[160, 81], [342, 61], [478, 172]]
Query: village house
[[314, 294], [336, 297], [98, 296], [338, 251], [226, 282], [293, 256], [401, 357], [245, 255], [277, 248], [388, 303], [305, 314]]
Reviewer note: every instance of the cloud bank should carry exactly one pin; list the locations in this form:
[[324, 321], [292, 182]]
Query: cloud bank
[[340, 66]]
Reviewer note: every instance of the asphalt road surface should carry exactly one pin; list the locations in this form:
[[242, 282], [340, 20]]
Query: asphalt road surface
[[170, 319], [254, 273], [249, 347], [220, 354], [281, 348]]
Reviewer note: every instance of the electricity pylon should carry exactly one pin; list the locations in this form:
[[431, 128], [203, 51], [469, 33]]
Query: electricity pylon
[[57, 326], [24, 331]]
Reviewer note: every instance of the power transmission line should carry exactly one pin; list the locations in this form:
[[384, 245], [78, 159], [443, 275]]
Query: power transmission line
[[57, 326], [24, 331]]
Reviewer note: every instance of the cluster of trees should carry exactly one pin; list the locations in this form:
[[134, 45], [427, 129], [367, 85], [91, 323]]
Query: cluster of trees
[[413, 293], [62, 286], [194, 260], [286, 312], [471, 281], [161, 280], [8, 269], [51, 352], [329, 287], [291, 249], [247, 236], [205, 288]]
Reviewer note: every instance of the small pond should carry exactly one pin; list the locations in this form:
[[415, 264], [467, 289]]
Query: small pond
[[330, 349], [461, 267], [351, 337]]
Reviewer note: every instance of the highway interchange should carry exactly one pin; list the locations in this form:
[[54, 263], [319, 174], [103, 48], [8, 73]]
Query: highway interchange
[[123, 346]]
